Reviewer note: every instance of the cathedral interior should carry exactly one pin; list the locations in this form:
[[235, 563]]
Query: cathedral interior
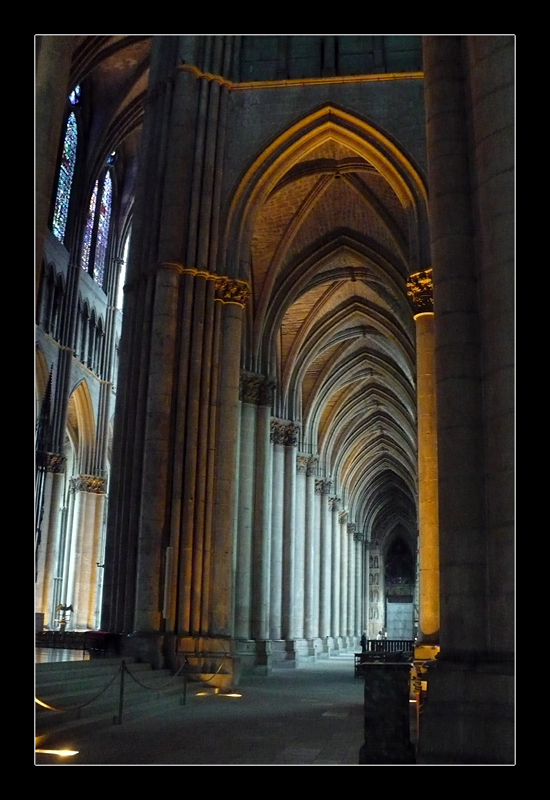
[[275, 354]]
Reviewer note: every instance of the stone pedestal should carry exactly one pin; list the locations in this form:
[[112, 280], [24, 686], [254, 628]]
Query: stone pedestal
[[387, 719]]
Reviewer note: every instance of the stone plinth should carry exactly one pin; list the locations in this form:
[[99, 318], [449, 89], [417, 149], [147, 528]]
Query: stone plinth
[[387, 726]]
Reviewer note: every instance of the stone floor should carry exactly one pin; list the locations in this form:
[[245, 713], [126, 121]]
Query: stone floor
[[311, 716]]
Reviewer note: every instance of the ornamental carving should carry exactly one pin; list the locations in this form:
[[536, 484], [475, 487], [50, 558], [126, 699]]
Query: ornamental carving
[[343, 517], [51, 462], [420, 290], [265, 392], [359, 536], [333, 503], [278, 432], [232, 291], [319, 486], [301, 464], [89, 483], [249, 388], [312, 465], [351, 528], [291, 434]]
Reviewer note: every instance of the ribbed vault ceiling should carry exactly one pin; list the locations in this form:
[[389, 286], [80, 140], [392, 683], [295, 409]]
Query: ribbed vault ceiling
[[331, 318]]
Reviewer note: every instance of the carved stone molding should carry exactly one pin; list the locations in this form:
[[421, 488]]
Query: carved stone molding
[[351, 528], [232, 291], [333, 503], [92, 484], [319, 484], [420, 291], [359, 536], [343, 517]]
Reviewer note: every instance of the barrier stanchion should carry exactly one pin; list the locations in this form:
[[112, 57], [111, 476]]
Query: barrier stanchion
[[118, 720]]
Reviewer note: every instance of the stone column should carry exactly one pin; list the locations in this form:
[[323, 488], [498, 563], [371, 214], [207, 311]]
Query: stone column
[[277, 506], [48, 551], [360, 622], [352, 626], [325, 567], [243, 588], [311, 619], [334, 503], [469, 94], [420, 290], [289, 538], [261, 545], [344, 576], [299, 570], [233, 295], [90, 497]]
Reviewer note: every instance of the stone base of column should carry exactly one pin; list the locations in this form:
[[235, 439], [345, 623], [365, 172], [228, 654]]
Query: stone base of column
[[468, 716], [387, 715], [145, 647], [210, 659], [327, 646], [314, 648], [256, 656]]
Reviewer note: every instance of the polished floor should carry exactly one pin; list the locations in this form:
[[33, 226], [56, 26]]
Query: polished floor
[[311, 716]]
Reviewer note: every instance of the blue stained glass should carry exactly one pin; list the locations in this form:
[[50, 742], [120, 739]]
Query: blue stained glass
[[66, 173], [87, 244], [103, 229]]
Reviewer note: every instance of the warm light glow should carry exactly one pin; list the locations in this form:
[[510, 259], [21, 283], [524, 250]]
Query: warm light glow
[[62, 753], [229, 694], [44, 705]]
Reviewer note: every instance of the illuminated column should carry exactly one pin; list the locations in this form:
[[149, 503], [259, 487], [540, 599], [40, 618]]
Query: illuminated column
[[233, 295], [277, 506], [48, 551], [299, 571], [335, 570], [90, 499], [325, 563], [420, 290]]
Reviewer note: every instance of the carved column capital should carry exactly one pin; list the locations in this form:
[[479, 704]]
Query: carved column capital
[[351, 528], [51, 462], [312, 465], [291, 434], [302, 464], [420, 291], [278, 432], [265, 392], [93, 484], [232, 291], [249, 387], [343, 517], [333, 503]]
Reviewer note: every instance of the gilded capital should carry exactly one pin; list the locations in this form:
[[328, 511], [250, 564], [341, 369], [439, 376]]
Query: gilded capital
[[232, 291], [92, 484], [420, 290], [51, 462]]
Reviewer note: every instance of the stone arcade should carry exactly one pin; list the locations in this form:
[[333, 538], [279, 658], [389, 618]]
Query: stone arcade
[[281, 438]]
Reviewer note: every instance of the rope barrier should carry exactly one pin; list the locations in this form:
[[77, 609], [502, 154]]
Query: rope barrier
[[83, 705]]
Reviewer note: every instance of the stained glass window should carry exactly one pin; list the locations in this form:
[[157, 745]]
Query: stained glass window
[[74, 96], [103, 229], [66, 173], [87, 244]]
